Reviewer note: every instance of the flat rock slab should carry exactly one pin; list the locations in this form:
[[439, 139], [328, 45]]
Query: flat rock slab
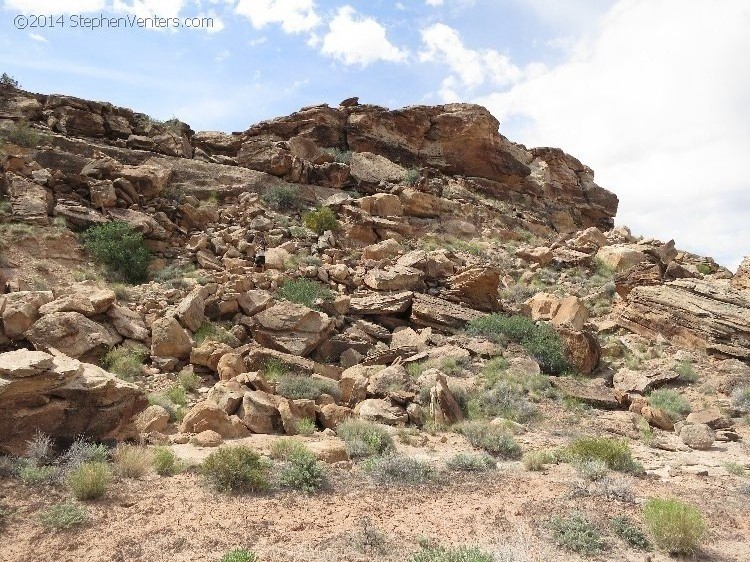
[[594, 394]]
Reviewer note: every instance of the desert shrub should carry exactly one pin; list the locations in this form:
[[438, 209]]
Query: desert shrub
[[460, 554], [305, 426], [507, 402], [235, 469], [368, 539], [320, 220], [188, 380], [365, 439], [393, 470], [470, 462], [536, 460], [675, 526], [175, 411], [80, 452], [411, 176], [576, 533], [281, 198], [740, 399], [131, 461], [39, 448], [300, 469], [296, 387], [703, 268], [90, 480], [285, 448], [608, 487], [21, 134], [212, 331], [125, 361], [592, 469], [63, 515], [303, 291], [274, 369], [539, 340], [340, 156], [630, 533], [239, 555], [735, 468], [674, 404], [7, 80], [165, 462], [686, 371], [120, 248], [32, 474], [615, 453], [493, 439], [177, 395]]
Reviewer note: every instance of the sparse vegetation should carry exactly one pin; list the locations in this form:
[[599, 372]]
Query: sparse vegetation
[[460, 554], [614, 453], [121, 249], [177, 395], [125, 361], [320, 220], [295, 387], [303, 291], [7, 80], [735, 468], [493, 439], [536, 460], [576, 533], [300, 468], [175, 411], [411, 177], [686, 371], [63, 515], [282, 198], [741, 399], [80, 452], [32, 474], [235, 469], [274, 369], [90, 480], [39, 448], [21, 134], [239, 555], [365, 439], [305, 426], [394, 470], [470, 462], [165, 462], [188, 380], [630, 533], [173, 273], [675, 526], [212, 331], [539, 340], [340, 156], [131, 461], [592, 469], [674, 404]]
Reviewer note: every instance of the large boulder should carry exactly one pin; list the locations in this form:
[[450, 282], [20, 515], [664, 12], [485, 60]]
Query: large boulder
[[381, 205], [741, 279], [397, 278], [190, 311], [382, 250], [381, 411], [259, 412], [62, 397], [207, 415], [475, 287], [621, 257], [169, 339], [373, 168], [641, 382], [20, 310], [429, 311], [420, 204], [380, 303], [72, 332], [292, 328], [582, 349], [29, 201]]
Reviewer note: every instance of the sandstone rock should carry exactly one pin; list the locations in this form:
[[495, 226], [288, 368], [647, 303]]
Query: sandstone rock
[[382, 250], [152, 419], [207, 438], [227, 395], [72, 332], [541, 255], [697, 436], [294, 411], [29, 202], [396, 278], [419, 204], [741, 279], [277, 258], [209, 353], [191, 308], [353, 384], [331, 416], [254, 301], [381, 411], [329, 451], [381, 205], [641, 274], [64, 398], [712, 417], [380, 303], [406, 337], [142, 222], [541, 306], [475, 287], [571, 313], [207, 415], [657, 417], [642, 382], [128, 324], [591, 393], [386, 380], [693, 313], [373, 168], [169, 339], [620, 257], [260, 413], [582, 350], [588, 241], [429, 311], [150, 178], [443, 405], [20, 310], [292, 328], [229, 366]]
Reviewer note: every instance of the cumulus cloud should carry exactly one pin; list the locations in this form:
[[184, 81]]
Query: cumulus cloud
[[295, 16], [656, 104], [359, 40], [37, 37], [55, 6]]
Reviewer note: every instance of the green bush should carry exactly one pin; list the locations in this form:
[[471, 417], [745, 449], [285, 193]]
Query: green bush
[[125, 361], [536, 460], [460, 554], [741, 399], [365, 439], [177, 395], [296, 387], [470, 462], [274, 369], [212, 331], [235, 469], [576, 533], [166, 462], [493, 439], [340, 156], [79, 453], [393, 470], [300, 469], [507, 402], [21, 134], [188, 380], [305, 426], [282, 198], [411, 176], [703, 268], [35, 475], [320, 220], [7, 80], [674, 404], [63, 515], [675, 526], [121, 249], [615, 453], [630, 533], [303, 291], [539, 340], [686, 371], [239, 555], [90, 480]]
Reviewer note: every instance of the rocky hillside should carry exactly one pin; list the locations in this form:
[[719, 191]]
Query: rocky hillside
[[411, 254]]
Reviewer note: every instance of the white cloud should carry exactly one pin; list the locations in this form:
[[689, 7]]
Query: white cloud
[[222, 55], [472, 68], [295, 16], [150, 8], [657, 105], [359, 40], [434, 2], [54, 6], [37, 37]]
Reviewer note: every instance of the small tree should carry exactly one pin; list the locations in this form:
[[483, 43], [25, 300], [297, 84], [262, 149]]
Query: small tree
[[7, 80], [120, 248]]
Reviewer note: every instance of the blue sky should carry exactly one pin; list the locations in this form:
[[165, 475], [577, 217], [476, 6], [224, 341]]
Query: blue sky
[[650, 93]]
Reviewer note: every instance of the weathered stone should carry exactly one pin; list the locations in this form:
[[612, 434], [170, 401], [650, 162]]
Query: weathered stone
[[260, 413], [380, 303], [541, 306], [229, 366], [329, 451], [712, 417], [582, 350], [621, 257], [152, 419], [641, 274], [294, 411], [475, 287], [381, 205], [697, 436], [292, 328], [331, 416], [396, 278], [21, 309], [588, 241], [381, 411], [373, 168], [657, 417], [207, 415], [207, 438], [420, 204], [386, 249], [591, 393], [190, 311], [443, 405], [741, 279], [209, 353], [227, 395], [429, 311], [72, 332], [642, 382], [572, 313], [541, 255], [386, 380], [29, 201], [169, 339]]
